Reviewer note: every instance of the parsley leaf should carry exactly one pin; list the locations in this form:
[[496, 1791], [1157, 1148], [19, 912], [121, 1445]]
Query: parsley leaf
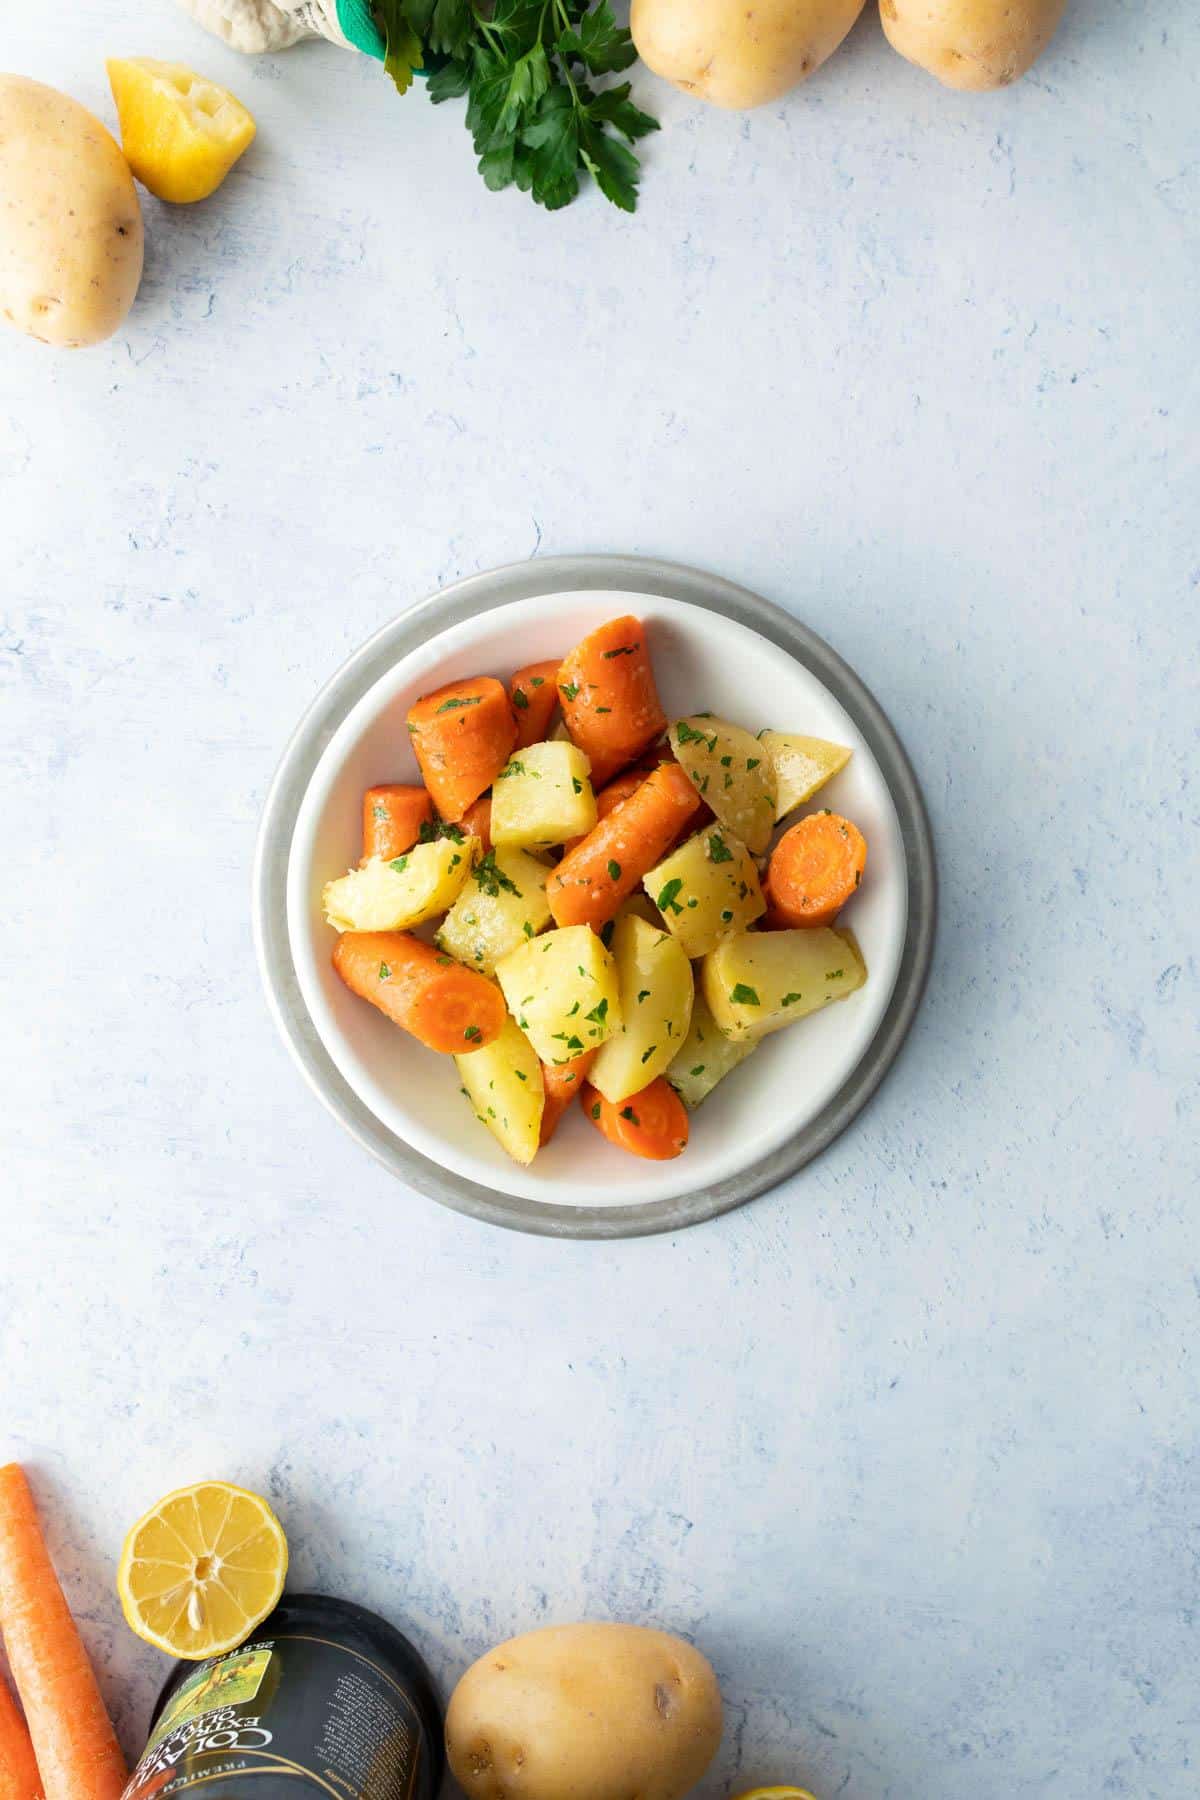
[[741, 995], [666, 901], [402, 46], [718, 849], [598, 43]]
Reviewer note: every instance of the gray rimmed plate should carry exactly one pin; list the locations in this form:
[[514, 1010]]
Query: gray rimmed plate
[[310, 818]]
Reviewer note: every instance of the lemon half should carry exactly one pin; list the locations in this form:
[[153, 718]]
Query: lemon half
[[180, 133], [201, 1569]]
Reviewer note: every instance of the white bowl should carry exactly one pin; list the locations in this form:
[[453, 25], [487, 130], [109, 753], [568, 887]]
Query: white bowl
[[703, 662]]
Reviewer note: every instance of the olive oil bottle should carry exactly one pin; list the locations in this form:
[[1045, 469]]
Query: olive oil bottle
[[324, 1698]]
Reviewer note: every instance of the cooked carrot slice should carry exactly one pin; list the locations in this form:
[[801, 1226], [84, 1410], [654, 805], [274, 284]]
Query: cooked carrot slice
[[814, 869], [534, 694], [607, 865], [653, 1124], [477, 821], [462, 734], [448, 1008], [392, 819], [609, 698], [563, 1084]]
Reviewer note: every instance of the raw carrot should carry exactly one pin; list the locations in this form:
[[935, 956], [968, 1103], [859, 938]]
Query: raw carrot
[[392, 819], [609, 699], [463, 734], [653, 1124], [445, 1006], [78, 1757], [564, 1084], [533, 691], [592, 879], [477, 822], [610, 797], [19, 1778], [814, 869]]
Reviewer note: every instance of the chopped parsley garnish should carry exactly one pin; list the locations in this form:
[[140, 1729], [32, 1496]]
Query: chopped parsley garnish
[[601, 709], [726, 762], [491, 878], [399, 863], [379, 813], [718, 849], [577, 784], [454, 705], [569, 690], [515, 767], [644, 995], [699, 1070], [687, 734], [596, 1110], [520, 699], [432, 832], [472, 1033], [614, 870], [666, 901], [520, 1075], [598, 1014], [627, 1112], [385, 974], [527, 928], [790, 999], [741, 995], [647, 1054], [621, 650], [752, 762], [537, 681], [834, 974]]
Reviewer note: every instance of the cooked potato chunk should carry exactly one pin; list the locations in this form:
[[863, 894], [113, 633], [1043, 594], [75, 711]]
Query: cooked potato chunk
[[543, 796], [656, 986], [802, 766], [706, 1058], [504, 1084], [733, 772], [562, 990], [502, 904], [396, 895], [768, 979], [707, 890]]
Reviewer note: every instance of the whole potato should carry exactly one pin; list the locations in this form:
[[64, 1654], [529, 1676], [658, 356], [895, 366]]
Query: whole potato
[[739, 53], [971, 43], [70, 223], [584, 1712]]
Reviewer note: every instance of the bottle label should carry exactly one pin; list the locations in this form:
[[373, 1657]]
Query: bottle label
[[297, 1707]]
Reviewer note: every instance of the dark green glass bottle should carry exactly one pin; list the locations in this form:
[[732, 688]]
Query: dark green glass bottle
[[325, 1697]]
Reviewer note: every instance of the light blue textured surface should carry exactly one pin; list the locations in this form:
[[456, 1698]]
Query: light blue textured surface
[[909, 1447]]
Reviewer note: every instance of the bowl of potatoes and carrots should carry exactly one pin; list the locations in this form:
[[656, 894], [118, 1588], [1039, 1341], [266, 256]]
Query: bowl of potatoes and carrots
[[559, 922]]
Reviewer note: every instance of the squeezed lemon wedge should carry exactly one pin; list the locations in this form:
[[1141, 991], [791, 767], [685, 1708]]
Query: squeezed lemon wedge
[[201, 1569], [180, 133]]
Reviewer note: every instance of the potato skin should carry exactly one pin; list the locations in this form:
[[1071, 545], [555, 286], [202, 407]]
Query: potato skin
[[584, 1712], [974, 44], [70, 223], [739, 53]]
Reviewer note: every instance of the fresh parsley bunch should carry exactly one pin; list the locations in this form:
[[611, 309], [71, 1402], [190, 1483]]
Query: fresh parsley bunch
[[527, 69]]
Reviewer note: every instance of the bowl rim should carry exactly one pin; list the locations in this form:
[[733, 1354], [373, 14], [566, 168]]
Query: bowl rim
[[450, 606]]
